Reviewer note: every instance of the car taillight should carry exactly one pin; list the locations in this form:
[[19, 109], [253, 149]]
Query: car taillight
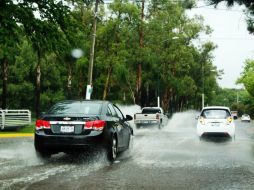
[[201, 120], [157, 116], [229, 120], [42, 124], [97, 125]]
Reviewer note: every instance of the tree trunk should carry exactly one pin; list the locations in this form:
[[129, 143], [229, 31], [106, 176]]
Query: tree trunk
[[106, 87], [38, 87], [69, 82], [5, 78], [147, 95], [139, 69], [166, 100], [138, 84]]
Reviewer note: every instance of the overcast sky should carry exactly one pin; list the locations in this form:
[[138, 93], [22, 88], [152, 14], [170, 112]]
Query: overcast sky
[[235, 44]]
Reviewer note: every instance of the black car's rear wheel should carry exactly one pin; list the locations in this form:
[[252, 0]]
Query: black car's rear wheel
[[40, 151], [112, 149], [43, 154]]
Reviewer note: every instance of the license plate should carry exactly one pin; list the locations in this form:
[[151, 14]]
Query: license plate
[[215, 124], [67, 129]]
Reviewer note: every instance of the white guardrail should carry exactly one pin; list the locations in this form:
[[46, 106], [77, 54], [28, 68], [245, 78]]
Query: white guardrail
[[14, 118]]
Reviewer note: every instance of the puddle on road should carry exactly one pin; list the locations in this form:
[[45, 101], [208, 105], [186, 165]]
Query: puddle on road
[[177, 145], [174, 146], [19, 175], [20, 167]]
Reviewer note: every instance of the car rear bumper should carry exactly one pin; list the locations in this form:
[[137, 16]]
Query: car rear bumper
[[245, 120], [227, 131], [146, 122], [68, 142]]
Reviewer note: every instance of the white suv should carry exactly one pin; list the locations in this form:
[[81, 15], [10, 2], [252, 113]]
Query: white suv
[[216, 120]]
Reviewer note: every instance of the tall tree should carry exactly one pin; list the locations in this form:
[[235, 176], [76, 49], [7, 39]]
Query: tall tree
[[9, 37], [247, 77]]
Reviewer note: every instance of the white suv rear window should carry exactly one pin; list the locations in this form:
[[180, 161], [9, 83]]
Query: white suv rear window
[[215, 114]]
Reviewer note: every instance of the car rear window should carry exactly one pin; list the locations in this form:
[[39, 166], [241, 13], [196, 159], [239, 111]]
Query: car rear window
[[87, 108], [215, 114], [150, 111]]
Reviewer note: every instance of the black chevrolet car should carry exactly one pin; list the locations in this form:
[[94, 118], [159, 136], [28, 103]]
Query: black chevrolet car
[[72, 126]]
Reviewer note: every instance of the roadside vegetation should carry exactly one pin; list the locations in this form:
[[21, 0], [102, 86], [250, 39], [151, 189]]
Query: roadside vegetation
[[24, 129], [143, 50]]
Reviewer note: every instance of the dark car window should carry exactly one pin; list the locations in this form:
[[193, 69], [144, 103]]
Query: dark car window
[[215, 114], [150, 111], [113, 112], [119, 113], [88, 108], [109, 112]]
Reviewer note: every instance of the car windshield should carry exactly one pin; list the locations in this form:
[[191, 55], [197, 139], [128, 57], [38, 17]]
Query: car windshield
[[215, 114], [151, 111], [87, 108]]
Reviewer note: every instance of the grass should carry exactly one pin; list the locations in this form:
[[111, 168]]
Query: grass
[[25, 129]]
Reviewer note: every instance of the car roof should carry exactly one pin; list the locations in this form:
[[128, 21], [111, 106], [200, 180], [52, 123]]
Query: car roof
[[151, 108], [95, 101], [216, 107]]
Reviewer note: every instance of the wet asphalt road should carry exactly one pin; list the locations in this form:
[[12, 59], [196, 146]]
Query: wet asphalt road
[[170, 158]]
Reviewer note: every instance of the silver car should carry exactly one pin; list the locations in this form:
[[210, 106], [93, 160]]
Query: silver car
[[245, 118]]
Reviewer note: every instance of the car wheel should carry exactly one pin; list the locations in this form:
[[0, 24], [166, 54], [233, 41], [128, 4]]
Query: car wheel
[[233, 138], [43, 155], [40, 152], [137, 126], [160, 125], [112, 149], [131, 142]]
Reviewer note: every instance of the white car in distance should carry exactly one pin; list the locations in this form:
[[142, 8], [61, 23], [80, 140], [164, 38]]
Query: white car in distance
[[216, 120], [245, 118]]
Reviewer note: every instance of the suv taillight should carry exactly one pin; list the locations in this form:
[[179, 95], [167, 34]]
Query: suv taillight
[[42, 124], [157, 116], [201, 120], [229, 120], [97, 125]]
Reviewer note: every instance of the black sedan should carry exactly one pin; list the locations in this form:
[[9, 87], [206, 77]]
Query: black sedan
[[72, 126]]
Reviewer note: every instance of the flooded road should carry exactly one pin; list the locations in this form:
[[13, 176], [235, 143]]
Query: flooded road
[[170, 158]]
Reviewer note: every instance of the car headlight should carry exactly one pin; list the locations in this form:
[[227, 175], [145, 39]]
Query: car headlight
[[201, 120]]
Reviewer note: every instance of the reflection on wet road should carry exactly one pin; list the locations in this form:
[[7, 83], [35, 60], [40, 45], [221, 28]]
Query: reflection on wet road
[[170, 158]]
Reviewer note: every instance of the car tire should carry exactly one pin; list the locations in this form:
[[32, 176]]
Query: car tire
[[233, 138], [137, 126], [40, 151], [131, 143], [43, 154], [112, 149], [160, 125]]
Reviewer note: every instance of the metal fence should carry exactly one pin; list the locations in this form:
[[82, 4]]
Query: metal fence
[[14, 118]]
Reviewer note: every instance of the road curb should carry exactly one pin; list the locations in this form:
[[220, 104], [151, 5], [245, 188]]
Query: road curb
[[16, 135]]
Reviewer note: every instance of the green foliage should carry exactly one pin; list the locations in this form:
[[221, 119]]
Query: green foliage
[[171, 62], [247, 77]]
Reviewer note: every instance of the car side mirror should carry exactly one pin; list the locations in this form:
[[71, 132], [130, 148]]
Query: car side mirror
[[235, 117], [197, 116], [128, 118], [42, 114]]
